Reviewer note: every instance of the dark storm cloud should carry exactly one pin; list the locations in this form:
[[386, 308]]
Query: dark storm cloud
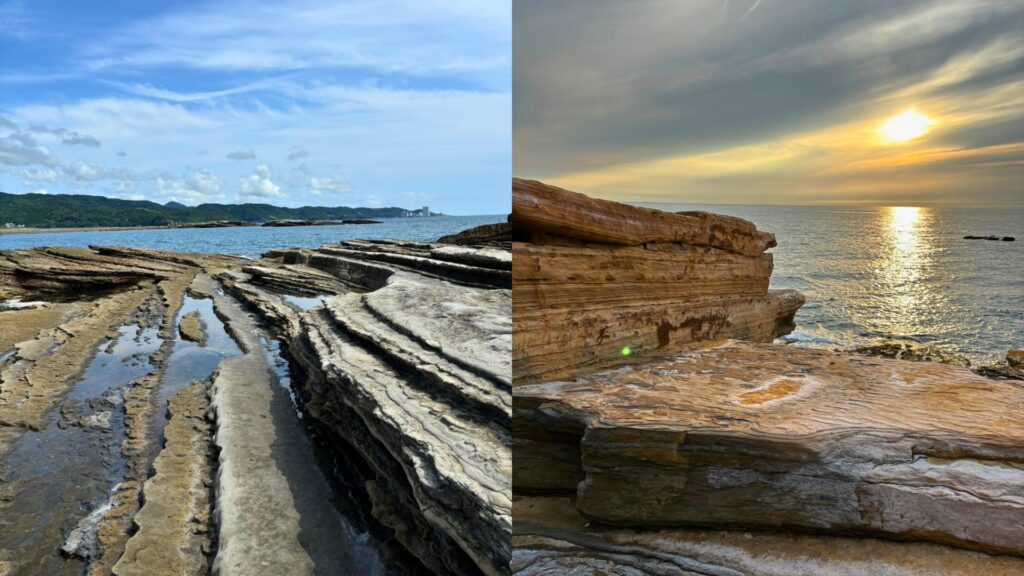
[[605, 82]]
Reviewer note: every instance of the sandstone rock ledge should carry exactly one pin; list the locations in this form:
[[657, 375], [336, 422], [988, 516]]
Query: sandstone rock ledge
[[655, 462], [744, 435], [593, 278], [550, 537]]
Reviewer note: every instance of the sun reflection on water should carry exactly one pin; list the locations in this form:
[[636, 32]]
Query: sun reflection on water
[[903, 268]]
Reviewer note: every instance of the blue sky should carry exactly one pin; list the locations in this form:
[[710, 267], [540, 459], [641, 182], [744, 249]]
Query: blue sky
[[356, 103]]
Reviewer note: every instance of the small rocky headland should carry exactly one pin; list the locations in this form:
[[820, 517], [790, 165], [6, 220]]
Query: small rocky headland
[[343, 410], [658, 429]]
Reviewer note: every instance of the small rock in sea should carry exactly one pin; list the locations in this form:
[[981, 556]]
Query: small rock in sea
[[1015, 358], [913, 352], [1004, 238]]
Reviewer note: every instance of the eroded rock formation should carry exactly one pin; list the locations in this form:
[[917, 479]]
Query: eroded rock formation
[[395, 355], [407, 369], [595, 280], [746, 435], [550, 537], [654, 460]]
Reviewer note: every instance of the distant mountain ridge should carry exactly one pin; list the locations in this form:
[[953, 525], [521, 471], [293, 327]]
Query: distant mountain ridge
[[81, 210]]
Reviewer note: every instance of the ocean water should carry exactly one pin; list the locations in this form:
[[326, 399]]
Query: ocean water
[[897, 273], [870, 274], [251, 241]]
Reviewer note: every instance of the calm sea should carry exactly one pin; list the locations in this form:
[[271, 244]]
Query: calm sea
[[873, 274], [869, 274], [251, 241]]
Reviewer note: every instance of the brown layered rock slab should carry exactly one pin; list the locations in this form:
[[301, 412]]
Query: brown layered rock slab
[[596, 281], [551, 538], [757, 435], [539, 207], [559, 342]]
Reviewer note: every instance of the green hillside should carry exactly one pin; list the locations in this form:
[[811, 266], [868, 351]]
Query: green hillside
[[80, 210]]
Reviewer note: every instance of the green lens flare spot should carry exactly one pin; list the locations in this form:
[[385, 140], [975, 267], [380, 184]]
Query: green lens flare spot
[[626, 351]]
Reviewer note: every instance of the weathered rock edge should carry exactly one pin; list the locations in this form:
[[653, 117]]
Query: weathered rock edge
[[406, 371], [745, 435], [550, 537], [594, 281]]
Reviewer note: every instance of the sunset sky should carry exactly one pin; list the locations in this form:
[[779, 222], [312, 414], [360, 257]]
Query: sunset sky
[[355, 103], [772, 101]]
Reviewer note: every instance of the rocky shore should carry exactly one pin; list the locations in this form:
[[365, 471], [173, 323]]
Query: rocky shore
[[332, 411], [658, 430]]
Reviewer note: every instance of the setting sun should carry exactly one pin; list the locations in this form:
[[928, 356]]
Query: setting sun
[[906, 126]]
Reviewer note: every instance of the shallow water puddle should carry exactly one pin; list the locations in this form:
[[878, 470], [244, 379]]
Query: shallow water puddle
[[57, 476], [191, 361], [303, 303]]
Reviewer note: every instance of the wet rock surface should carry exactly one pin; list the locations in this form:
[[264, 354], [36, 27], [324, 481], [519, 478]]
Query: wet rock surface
[[914, 352], [174, 531], [191, 328], [360, 425]]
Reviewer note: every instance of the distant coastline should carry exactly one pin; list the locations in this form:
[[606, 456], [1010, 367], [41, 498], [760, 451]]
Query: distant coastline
[[81, 211], [12, 231]]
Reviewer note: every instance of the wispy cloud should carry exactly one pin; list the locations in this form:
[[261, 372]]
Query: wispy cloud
[[769, 104], [358, 95]]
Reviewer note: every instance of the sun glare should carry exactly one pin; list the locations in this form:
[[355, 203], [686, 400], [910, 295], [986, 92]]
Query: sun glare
[[906, 126]]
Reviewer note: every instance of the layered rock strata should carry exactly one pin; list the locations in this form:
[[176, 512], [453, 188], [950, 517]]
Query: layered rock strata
[[407, 370], [626, 462], [595, 280], [400, 362], [172, 535], [746, 435], [550, 537]]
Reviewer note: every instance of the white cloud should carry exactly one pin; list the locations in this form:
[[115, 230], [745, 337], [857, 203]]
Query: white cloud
[[32, 175], [162, 94], [259, 184], [195, 188], [69, 137], [335, 185], [21, 149], [84, 172], [241, 155], [206, 182], [113, 118]]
